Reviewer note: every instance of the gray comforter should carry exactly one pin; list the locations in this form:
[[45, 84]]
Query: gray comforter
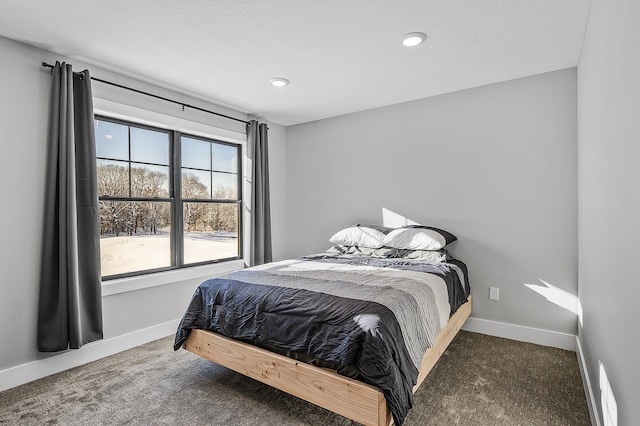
[[375, 316]]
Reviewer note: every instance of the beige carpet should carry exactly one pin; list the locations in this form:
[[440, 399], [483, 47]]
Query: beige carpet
[[480, 380]]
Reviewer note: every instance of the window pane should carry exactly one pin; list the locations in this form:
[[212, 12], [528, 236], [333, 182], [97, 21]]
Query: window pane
[[148, 146], [134, 236], [113, 178], [225, 186], [196, 154], [210, 231], [149, 181], [112, 140], [196, 184], [225, 158]]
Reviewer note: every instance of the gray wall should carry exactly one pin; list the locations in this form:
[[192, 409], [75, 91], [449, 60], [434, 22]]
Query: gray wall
[[609, 194], [495, 165], [24, 102]]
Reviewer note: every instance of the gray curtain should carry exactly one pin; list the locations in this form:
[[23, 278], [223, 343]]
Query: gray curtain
[[260, 244], [70, 306]]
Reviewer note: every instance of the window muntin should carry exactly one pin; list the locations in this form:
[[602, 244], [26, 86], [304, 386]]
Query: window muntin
[[145, 225]]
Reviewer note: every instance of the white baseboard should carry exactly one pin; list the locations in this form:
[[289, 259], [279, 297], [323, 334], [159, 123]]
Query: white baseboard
[[521, 333], [30, 371], [588, 390]]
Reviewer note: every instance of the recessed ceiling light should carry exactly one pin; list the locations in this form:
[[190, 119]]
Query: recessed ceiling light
[[413, 39], [108, 136], [279, 82]]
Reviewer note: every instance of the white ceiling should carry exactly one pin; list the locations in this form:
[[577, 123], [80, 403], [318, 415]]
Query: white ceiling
[[341, 56]]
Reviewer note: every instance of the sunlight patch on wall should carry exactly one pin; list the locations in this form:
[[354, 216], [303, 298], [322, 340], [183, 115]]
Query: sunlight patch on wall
[[558, 296], [395, 220], [607, 399]]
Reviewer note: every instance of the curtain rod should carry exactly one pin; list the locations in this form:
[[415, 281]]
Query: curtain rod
[[46, 65]]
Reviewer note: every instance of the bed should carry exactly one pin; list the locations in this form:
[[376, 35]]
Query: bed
[[355, 329]]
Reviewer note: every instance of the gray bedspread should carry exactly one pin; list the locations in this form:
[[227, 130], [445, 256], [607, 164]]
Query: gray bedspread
[[378, 316]]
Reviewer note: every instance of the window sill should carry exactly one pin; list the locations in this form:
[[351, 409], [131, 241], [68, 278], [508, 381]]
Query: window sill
[[124, 285]]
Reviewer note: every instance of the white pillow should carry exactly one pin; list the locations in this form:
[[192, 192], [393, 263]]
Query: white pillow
[[418, 237], [361, 236]]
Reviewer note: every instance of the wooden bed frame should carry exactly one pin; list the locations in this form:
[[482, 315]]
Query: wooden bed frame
[[348, 397]]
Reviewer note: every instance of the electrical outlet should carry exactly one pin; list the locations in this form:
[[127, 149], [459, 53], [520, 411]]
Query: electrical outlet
[[494, 293]]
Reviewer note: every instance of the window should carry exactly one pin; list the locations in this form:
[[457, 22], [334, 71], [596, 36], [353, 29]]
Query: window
[[167, 199]]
